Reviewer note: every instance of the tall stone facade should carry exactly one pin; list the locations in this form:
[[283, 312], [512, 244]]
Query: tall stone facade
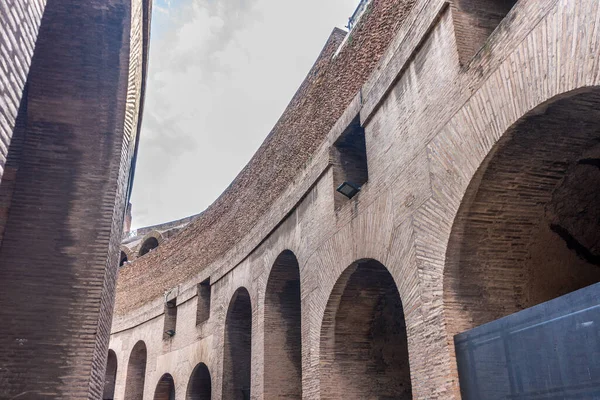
[[72, 76], [471, 127]]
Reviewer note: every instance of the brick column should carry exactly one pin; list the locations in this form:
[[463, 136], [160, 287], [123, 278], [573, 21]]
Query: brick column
[[59, 252]]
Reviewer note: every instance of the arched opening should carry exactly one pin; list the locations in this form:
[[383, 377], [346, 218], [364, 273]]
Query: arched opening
[[528, 228], [364, 346], [136, 372], [110, 376], [199, 386], [283, 339], [165, 389], [237, 349], [149, 244], [527, 232], [123, 259]]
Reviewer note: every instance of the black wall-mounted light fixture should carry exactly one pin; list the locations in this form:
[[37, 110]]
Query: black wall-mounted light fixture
[[170, 332], [348, 189]]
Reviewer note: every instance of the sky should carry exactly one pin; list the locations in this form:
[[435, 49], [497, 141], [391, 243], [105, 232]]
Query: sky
[[221, 72]]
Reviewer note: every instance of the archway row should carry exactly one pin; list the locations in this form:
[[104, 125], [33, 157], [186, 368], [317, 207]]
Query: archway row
[[364, 345], [282, 346], [364, 349], [199, 385]]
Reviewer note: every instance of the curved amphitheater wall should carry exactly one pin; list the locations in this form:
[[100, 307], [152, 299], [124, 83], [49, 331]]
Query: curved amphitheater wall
[[430, 120]]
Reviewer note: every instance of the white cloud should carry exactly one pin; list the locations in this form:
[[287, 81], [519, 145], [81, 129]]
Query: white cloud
[[221, 73]]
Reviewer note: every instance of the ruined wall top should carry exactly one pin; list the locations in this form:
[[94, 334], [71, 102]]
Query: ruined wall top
[[330, 86]]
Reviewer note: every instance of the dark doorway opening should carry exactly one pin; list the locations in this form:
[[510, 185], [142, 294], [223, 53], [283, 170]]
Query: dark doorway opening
[[199, 387], [136, 372], [238, 347], [283, 334], [364, 345]]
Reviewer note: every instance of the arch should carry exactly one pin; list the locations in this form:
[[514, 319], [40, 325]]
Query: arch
[[283, 336], [123, 259], [149, 244], [528, 227], [364, 345], [110, 376], [199, 386], [127, 252], [237, 347], [165, 388], [136, 372]]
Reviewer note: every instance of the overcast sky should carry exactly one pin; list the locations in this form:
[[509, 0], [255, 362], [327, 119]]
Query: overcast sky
[[221, 73]]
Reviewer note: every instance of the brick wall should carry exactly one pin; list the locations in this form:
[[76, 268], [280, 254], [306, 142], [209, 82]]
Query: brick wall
[[328, 89], [474, 21], [528, 229], [68, 189], [434, 128], [19, 24]]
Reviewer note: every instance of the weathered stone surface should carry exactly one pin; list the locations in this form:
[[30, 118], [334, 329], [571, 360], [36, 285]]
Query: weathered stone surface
[[19, 25], [71, 77], [474, 153]]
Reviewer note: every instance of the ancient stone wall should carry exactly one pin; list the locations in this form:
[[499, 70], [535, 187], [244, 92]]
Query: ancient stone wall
[[329, 87], [494, 142], [19, 25], [75, 139]]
